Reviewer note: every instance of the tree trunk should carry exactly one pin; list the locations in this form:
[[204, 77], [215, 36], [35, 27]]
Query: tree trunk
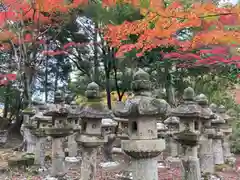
[[96, 64], [169, 87], [46, 77], [108, 89], [7, 100], [56, 78]]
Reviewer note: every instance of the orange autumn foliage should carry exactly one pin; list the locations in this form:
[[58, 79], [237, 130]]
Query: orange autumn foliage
[[160, 24], [34, 16]]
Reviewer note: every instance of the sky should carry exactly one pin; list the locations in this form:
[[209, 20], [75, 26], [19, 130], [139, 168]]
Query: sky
[[232, 1]]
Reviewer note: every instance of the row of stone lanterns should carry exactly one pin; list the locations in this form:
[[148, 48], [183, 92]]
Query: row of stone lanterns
[[190, 123]]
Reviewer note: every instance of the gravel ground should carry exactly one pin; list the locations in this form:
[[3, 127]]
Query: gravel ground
[[74, 172]]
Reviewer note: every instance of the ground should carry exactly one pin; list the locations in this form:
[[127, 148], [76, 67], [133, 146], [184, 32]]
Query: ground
[[74, 171]]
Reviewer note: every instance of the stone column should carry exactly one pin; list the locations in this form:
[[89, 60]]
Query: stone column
[[144, 169], [40, 151], [89, 161], [144, 161], [191, 164], [226, 148], [218, 150], [206, 154], [217, 123], [40, 148], [28, 139], [58, 156], [72, 145], [173, 147]]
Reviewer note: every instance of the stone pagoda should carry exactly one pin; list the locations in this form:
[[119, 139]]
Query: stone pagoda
[[91, 113], [227, 131], [189, 112], [217, 123], [207, 132], [142, 111], [59, 130]]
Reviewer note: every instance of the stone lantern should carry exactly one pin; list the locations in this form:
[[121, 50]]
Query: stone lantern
[[227, 131], [217, 123], [109, 132], [43, 122], [142, 111], [173, 127], [59, 130], [91, 113], [73, 120], [207, 132], [27, 125], [189, 112]]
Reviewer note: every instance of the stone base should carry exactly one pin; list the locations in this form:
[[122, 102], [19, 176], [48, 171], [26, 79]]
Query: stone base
[[143, 148]]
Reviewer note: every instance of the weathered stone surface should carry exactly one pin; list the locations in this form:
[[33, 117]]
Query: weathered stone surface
[[142, 111], [88, 167], [92, 112], [206, 142], [218, 151], [58, 158], [189, 112]]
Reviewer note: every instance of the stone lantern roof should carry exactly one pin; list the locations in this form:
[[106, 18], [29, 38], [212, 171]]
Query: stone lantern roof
[[41, 118], [141, 75], [109, 123], [142, 104], [172, 120], [223, 114], [189, 107], [29, 111], [218, 119], [206, 112], [213, 107], [93, 108], [57, 110]]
